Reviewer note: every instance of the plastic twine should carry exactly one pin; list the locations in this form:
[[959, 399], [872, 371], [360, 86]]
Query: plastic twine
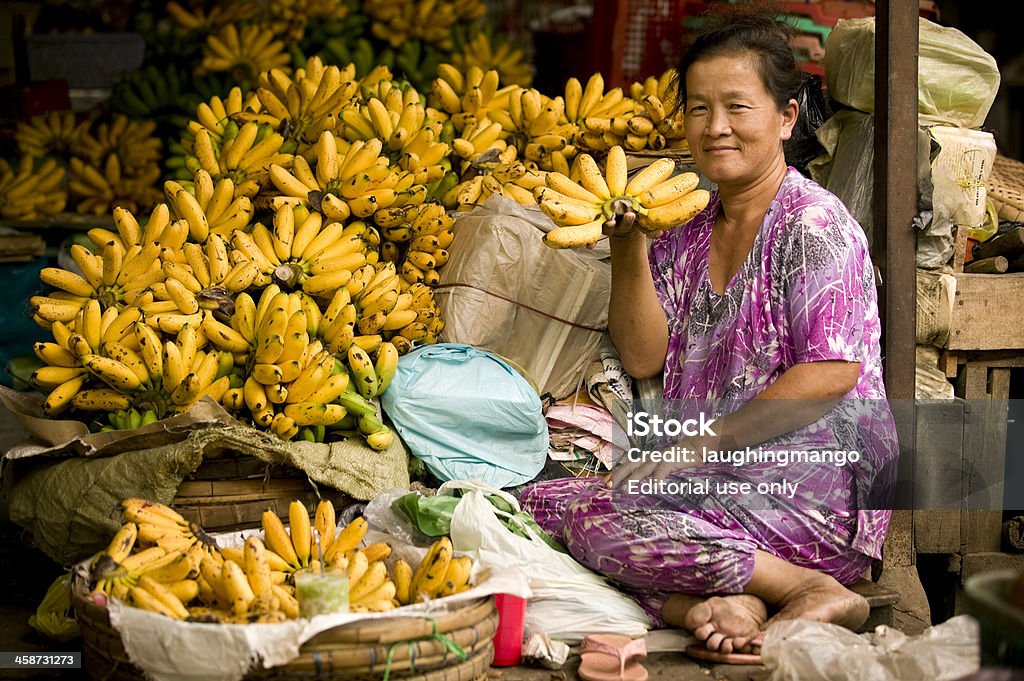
[[446, 641]]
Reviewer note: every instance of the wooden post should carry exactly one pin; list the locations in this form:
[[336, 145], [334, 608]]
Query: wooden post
[[895, 205]]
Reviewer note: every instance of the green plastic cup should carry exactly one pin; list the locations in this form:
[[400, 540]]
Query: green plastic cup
[[321, 594]]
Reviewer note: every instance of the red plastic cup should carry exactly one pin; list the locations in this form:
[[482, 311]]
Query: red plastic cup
[[508, 639]]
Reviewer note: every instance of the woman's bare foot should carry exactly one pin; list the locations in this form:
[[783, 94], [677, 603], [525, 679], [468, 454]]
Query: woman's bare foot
[[725, 624], [822, 599]]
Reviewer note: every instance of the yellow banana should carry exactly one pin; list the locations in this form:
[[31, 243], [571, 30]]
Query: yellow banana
[[668, 190], [653, 175], [298, 518], [277, 539], [575, 236], [348, 538], [676, 213]]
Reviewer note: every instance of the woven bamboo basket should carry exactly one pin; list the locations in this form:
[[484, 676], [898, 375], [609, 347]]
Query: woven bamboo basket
[[232, 492], [1006, 188], [355, 652]]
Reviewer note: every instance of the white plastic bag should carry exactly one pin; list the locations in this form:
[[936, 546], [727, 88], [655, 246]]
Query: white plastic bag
[[569, 601]]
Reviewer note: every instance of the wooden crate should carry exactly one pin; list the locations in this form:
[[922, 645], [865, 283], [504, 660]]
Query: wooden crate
[[986, 312]]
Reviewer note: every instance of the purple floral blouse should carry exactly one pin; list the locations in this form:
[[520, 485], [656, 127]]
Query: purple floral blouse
[[805, 293]]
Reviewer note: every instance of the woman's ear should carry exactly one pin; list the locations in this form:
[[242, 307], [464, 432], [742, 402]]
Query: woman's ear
[[789, 115]]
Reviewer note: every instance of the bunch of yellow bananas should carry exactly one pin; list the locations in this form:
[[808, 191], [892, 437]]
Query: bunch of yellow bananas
[[440, 573], [97, 189], [509, 62], [468, 97], [52, 133], [130, 364], [207, 279], [162, 577], [412, 140], [289, 18], [133, 142], [370, 588], [204, 20], [660, 200], [496, 173], [244, 158], [305, 104], [32, 191], [208, 207], [219, 117], [658, 96], [160, 562], [479, 138], [429, 233], [357, 182], [246, 51], [398, 21], [542, 131], [116, 277], [302, 251], [601, 115]]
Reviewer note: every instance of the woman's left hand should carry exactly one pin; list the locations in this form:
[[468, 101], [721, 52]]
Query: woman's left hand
[[651, 470]]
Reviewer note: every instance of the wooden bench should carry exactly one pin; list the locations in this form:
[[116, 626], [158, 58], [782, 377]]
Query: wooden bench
[[882, 602]]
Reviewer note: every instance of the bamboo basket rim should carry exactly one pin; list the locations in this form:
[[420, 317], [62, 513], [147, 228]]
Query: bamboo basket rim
[[419, 655], [474, 668]]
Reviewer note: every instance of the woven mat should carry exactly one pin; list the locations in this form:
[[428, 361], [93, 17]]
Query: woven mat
[[1006, 188]]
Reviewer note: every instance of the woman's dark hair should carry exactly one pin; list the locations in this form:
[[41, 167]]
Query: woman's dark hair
[[754, 31]]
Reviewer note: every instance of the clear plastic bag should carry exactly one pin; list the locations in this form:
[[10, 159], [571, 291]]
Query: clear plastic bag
[[799, 650], [957, 79]]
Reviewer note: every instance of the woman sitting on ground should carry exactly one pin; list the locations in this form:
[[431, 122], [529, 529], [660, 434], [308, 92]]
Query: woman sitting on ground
[[761, 310]]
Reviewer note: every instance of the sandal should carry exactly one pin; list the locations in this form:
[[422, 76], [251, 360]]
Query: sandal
[[612, 657]]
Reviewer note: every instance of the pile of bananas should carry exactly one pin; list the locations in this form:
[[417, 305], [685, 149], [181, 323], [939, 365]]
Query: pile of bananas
[[658, 96], [244, 51], [396, 21], [160, 562], [112, 163], [160, 317], [218, 15], [484, 51], [660, 200], [54, 133], [32, 190]]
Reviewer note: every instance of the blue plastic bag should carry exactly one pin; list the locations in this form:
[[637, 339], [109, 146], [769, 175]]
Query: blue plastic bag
[[468, 415]]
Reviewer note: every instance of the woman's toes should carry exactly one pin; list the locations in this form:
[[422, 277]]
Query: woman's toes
[[714, 641], [704, 631]]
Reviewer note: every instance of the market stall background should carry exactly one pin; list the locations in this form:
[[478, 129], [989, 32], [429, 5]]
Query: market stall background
[[506, 19]]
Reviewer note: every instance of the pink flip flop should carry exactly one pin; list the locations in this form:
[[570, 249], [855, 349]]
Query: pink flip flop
[[699, 652], [612, 657]]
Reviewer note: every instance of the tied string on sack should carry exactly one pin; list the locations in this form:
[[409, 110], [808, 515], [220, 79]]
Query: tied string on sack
[[446, 641]]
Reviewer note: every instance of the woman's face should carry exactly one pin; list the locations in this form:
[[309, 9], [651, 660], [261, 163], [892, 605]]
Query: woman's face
[[733, 125]]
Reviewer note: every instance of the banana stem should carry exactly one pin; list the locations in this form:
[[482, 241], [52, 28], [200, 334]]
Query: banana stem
[[287, 276]]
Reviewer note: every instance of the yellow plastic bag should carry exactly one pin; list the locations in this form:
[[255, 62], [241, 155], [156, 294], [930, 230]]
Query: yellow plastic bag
[[51, 618], [957, 79]]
